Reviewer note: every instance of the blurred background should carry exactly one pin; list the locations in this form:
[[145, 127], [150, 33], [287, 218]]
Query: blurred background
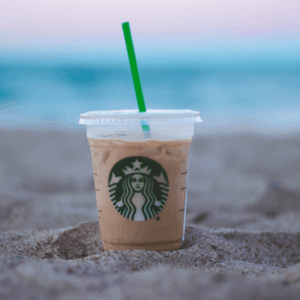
[[237, 62]]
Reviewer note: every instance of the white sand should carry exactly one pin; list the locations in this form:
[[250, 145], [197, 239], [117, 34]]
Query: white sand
[[242, 235]]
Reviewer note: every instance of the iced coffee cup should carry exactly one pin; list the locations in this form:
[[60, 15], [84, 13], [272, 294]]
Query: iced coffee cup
[[141, 175]]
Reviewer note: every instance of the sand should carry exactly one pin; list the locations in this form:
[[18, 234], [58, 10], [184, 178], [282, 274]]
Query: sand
[[242, 238]]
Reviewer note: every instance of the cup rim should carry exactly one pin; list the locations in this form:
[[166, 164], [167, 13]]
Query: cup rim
[[151, 115]]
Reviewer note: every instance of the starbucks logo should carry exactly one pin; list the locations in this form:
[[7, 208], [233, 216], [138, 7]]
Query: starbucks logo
[[138, 188]]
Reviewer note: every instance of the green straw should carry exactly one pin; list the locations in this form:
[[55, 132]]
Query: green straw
[[133, 67]]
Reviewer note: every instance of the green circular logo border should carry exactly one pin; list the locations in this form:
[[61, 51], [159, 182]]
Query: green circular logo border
[[138, 187]]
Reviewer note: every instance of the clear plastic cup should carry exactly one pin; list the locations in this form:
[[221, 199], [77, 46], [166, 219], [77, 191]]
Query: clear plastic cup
[[140, 163]]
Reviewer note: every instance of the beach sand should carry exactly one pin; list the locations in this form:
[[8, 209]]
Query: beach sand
[[242, 238]]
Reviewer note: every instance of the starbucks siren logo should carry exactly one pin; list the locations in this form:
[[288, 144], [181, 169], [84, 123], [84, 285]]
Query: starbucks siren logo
[[138, 188]]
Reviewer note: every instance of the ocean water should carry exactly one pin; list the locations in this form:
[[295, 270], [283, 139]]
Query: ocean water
[[50, 96]]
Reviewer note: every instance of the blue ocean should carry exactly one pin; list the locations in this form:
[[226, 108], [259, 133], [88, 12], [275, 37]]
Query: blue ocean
[[52, 95]]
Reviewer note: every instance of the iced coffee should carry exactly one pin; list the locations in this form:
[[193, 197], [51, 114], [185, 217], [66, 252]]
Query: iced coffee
[[141, 185]]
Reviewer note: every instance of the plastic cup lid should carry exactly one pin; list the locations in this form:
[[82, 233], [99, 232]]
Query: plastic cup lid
[[133, 116]]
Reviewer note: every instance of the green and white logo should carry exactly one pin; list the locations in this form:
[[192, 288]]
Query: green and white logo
[[138, 187]]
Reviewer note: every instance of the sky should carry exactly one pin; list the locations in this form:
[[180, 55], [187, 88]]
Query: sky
[[79, 20], [78, 30]]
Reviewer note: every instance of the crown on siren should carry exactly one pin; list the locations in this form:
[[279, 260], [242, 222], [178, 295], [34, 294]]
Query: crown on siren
[[137, 169]]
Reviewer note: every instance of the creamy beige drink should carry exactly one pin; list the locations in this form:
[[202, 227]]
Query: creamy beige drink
[[161, 164], [140, 164]]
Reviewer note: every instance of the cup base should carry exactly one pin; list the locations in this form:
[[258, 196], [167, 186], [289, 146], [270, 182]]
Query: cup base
[[152, 247]]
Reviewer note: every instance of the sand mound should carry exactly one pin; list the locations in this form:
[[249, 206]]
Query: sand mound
[[73, 257], [258, 252]]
